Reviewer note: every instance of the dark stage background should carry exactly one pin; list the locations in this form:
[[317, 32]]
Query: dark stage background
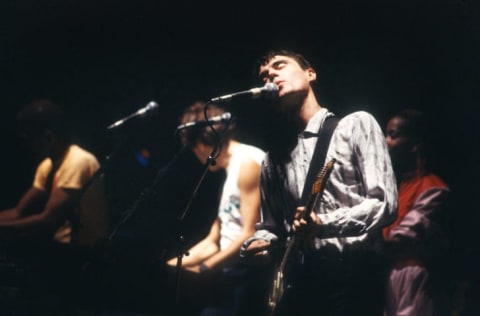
[[103, 60]]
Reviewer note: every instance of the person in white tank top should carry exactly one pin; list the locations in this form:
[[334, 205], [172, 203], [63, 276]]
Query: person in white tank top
[[239, 207]]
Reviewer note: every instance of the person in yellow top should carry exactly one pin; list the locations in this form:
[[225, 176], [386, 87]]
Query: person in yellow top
[[63, 215], [64, 191]]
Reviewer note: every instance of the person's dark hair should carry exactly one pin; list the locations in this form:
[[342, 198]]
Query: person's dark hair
[[415, 123], [41, 115], [203, 134], [267, 56], [419, 129]]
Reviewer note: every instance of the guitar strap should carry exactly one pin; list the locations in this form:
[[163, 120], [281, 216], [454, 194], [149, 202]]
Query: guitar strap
[[319, 154]]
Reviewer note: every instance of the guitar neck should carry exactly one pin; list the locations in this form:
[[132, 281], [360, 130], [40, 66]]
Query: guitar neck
[[280, 285], [318, 188], [312, 201]]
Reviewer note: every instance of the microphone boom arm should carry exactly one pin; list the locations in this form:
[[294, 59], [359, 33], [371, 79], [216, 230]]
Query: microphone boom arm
[[149, 107]]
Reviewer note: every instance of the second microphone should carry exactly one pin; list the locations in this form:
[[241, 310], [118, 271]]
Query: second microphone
[[220, 119]]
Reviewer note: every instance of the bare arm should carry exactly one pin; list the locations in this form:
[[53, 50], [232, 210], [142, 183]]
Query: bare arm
[[203, 249], [248, 183], [25, 220], [30, 202]]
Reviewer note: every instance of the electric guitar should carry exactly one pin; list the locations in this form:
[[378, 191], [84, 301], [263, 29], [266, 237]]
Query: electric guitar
[[280, 285]]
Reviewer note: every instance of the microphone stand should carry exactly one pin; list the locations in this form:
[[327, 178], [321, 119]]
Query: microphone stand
[[144, 194], [211, 161], [100, 171], [108, 240], [92, 261]]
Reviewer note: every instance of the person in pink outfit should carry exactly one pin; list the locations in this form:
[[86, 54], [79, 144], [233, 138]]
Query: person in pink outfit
[[417, 241]]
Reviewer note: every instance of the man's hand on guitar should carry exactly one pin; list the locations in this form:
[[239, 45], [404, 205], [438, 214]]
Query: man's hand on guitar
[[306, 227]]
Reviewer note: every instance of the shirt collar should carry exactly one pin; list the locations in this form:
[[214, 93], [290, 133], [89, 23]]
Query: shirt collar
[[313, 126]]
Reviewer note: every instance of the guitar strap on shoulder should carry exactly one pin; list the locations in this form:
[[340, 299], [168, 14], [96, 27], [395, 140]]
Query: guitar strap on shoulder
[[319, 154]]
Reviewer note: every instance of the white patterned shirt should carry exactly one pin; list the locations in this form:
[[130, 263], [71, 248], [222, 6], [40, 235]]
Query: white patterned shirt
[[360, 196]]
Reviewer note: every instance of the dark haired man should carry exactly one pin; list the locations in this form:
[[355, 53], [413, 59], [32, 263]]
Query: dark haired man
[[339, 267]]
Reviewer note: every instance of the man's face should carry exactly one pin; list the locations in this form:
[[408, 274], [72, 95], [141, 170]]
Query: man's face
[[293, 81], [400, 144], [395, 134]]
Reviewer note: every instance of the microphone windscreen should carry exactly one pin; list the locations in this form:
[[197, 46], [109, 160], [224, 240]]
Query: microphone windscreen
[[270, 91]]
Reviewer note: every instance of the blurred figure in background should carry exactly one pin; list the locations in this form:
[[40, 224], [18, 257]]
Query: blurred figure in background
[[65, 207], [216, 257], [417, 242]]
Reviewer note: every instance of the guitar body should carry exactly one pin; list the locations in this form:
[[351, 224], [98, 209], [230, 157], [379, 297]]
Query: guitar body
[[283, 286], [276, 294]]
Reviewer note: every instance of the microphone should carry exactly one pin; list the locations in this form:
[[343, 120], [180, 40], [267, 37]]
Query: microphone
[[269, 91], [152, 105], [224, 118]]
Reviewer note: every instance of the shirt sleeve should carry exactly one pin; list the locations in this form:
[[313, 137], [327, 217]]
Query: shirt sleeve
[[363, 191], [41, 174], [275, 202], [425, 220], [76, 172]]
